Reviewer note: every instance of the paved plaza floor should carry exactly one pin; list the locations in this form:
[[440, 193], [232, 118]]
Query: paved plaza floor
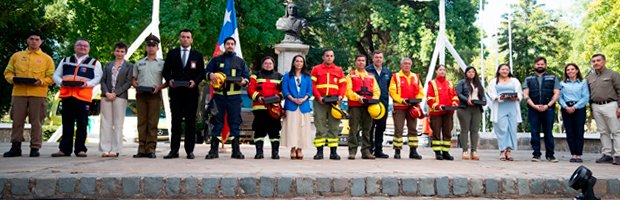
[[489, 167]]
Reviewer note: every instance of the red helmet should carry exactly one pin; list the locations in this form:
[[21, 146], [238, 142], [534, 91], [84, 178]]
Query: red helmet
[[415, 112], [275, 110]]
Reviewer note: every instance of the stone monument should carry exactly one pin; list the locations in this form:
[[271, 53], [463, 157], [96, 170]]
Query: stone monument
[[291, 24]]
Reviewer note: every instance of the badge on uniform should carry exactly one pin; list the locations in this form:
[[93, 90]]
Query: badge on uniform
[[221, 65], [193, 64]]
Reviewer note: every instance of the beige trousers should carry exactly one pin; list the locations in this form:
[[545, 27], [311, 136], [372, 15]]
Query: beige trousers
[[608, 126], [112, 119]]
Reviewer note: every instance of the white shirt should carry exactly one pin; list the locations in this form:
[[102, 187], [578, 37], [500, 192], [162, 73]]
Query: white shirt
[[98, 72], [186, 56]]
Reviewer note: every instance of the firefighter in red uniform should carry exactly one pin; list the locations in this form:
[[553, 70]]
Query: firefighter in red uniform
[[439, 96], [405, 86], [328, 83], [264, 89], [361, 85]]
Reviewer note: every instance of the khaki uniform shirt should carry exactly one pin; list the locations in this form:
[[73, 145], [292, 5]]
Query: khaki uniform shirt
[[604, 86], [149, 72]]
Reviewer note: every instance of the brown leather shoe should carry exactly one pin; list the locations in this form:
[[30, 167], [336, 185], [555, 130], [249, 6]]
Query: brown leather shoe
[[300, 155], [81, 154], [293, 153], [60, 154], [368, 157]]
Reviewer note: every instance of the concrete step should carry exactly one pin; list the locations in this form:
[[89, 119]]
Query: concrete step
[[125, 177]]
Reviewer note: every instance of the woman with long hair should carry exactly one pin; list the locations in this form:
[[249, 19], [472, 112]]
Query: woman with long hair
[[297, 90], [574, 95], [471, 99], [505, 92]]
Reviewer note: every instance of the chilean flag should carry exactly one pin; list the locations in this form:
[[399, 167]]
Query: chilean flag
[[229, 29]]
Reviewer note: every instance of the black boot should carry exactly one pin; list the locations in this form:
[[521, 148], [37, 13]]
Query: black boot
[[396, 153], [446, 156], [236, 152], [34, 152], [319, 153], [15, 151], [259, 150], [413, 154], [333, 154], [438, 155], [213, 151], [379, 153], [275, 150]]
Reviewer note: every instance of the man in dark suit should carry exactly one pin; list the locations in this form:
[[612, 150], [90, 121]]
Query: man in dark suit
[[183, 70]]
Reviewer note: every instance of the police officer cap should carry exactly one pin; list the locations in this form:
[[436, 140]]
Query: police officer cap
[[152, 40]]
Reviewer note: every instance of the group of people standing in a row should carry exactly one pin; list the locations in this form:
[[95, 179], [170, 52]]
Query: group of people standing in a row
[[368, 89], [541, 91]]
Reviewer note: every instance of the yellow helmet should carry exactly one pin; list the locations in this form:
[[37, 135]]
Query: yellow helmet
[[337, 112], [218, 82], [376, 111]]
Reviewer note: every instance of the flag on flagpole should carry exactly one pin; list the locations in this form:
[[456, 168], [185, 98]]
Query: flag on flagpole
[[229, 29]]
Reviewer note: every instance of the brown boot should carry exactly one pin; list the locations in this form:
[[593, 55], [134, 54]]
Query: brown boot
[[368, 156]]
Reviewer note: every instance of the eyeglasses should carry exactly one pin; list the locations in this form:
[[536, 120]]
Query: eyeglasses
[[82, 45]]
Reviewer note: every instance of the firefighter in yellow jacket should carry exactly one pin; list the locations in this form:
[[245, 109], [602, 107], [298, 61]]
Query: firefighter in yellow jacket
[[30, 71], [361, 85], [404, 87]]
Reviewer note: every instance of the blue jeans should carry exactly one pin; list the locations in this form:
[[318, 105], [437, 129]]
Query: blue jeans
[[545, 120]]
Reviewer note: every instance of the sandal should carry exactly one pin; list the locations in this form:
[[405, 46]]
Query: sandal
[[502, 156], [508, 157]]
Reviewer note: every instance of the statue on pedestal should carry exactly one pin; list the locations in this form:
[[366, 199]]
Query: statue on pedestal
[[291, 24]]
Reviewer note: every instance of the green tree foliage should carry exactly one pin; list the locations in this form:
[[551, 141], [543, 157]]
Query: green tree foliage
[[17, 19], [600, 33], [536, 32], [398, 28], [106, 22]]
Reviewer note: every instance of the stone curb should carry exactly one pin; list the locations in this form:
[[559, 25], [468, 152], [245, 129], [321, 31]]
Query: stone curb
[[174, 187]]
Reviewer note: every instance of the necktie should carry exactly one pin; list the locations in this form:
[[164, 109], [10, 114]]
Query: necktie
[[184, 57]]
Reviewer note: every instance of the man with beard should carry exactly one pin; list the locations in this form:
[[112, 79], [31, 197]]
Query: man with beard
[[227, 98], [541, 91]]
